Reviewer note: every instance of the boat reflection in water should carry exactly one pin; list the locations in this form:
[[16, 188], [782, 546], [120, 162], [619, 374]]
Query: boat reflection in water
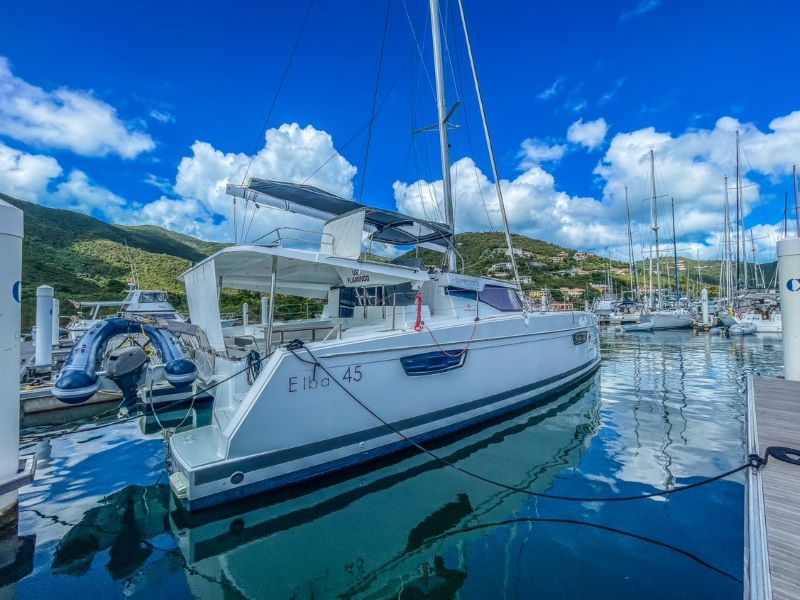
[[401, 530]]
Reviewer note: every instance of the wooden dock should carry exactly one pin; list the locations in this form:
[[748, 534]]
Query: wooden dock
[[772, 511]]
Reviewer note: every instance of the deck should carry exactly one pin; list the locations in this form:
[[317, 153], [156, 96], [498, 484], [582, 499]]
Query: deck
[[772, 526]]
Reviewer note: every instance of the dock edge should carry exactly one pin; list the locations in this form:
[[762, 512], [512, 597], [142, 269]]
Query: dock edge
[[757, 583]]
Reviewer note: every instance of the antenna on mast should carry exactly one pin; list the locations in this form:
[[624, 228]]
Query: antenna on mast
[[796, 209], [130, 262]]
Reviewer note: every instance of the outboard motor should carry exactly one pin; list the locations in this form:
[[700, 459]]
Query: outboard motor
[[125, 367], [726, 320]]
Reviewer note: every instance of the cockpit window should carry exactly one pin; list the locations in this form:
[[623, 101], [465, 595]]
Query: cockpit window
[[151, 297]]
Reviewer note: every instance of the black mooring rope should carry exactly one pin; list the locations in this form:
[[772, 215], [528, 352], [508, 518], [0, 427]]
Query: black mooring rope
[[754, 460]]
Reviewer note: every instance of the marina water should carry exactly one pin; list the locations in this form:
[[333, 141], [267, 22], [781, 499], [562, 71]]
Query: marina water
[[664, 410]]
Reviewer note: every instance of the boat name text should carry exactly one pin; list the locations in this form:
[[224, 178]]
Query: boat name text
[[352, 374]]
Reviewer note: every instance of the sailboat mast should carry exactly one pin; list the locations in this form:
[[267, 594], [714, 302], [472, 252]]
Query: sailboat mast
[[785, 213], [650, 282], [489, 145], [655, 225], [726, 236], [755, 264], [738, 213], [441, 107], [631, 267], [796, 211], [675, 253]]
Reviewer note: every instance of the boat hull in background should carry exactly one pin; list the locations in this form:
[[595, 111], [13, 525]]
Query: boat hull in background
[[671, 320]]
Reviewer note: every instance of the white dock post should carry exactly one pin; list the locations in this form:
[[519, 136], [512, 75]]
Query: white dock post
[[56, 322], [789, 270], [44, 326], [10, 293], [14, 472], [704, 305], [245, 314], [264, 310]]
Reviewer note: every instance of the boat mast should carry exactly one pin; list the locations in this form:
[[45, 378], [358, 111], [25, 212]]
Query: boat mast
[[444, 145], [755, 264], [631, 265], [675, 254], [796, 211], [489, 145], [726, 250], [650, 282], [785, 213], [655, 225], [738, 214]]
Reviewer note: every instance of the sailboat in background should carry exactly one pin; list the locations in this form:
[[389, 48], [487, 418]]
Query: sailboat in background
[[660, 313], [752, 308]]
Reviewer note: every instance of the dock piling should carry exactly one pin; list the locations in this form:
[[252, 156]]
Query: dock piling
[[56, 323], [789, 272], [44, 327]]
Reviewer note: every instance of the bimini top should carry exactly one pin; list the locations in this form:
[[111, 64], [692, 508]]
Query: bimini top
[[384, 225], [298, 272]]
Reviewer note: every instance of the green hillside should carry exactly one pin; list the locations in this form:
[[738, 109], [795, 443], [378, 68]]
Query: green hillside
[[545, 265], [84, 258]]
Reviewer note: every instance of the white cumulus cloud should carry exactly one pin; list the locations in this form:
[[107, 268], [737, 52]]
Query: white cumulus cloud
[[533, 152], [292, 153], [588, 133], [79, 193], [26, 176], [62, 118]]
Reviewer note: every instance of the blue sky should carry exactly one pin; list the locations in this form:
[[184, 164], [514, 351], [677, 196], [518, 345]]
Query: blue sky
[[102, 106]]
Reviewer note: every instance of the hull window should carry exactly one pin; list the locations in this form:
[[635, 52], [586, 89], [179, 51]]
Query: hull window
[[580, 337], [433, 362]]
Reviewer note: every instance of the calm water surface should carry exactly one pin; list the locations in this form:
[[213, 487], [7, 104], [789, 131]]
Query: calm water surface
[[665, 409]]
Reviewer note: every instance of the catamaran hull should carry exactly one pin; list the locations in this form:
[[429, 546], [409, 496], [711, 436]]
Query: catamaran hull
[[311, 427]]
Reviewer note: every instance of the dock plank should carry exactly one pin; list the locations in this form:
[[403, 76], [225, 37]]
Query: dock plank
[[777, 423]]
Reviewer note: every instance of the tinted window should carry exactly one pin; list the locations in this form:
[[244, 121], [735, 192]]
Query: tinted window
[[501, 298], [349, 298], [150, 297], [347, 302]]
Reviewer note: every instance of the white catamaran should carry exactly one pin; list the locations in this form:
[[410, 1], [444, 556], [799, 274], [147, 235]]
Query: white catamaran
[[399, 353]]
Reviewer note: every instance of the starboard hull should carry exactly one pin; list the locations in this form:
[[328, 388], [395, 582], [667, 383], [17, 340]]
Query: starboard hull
[[300, 425]]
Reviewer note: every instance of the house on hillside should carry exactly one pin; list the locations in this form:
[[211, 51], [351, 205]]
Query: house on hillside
[[600, 287], [536, 265], [519, 252], [571, 292], [559, 258], [500, 267], [581, 256]]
